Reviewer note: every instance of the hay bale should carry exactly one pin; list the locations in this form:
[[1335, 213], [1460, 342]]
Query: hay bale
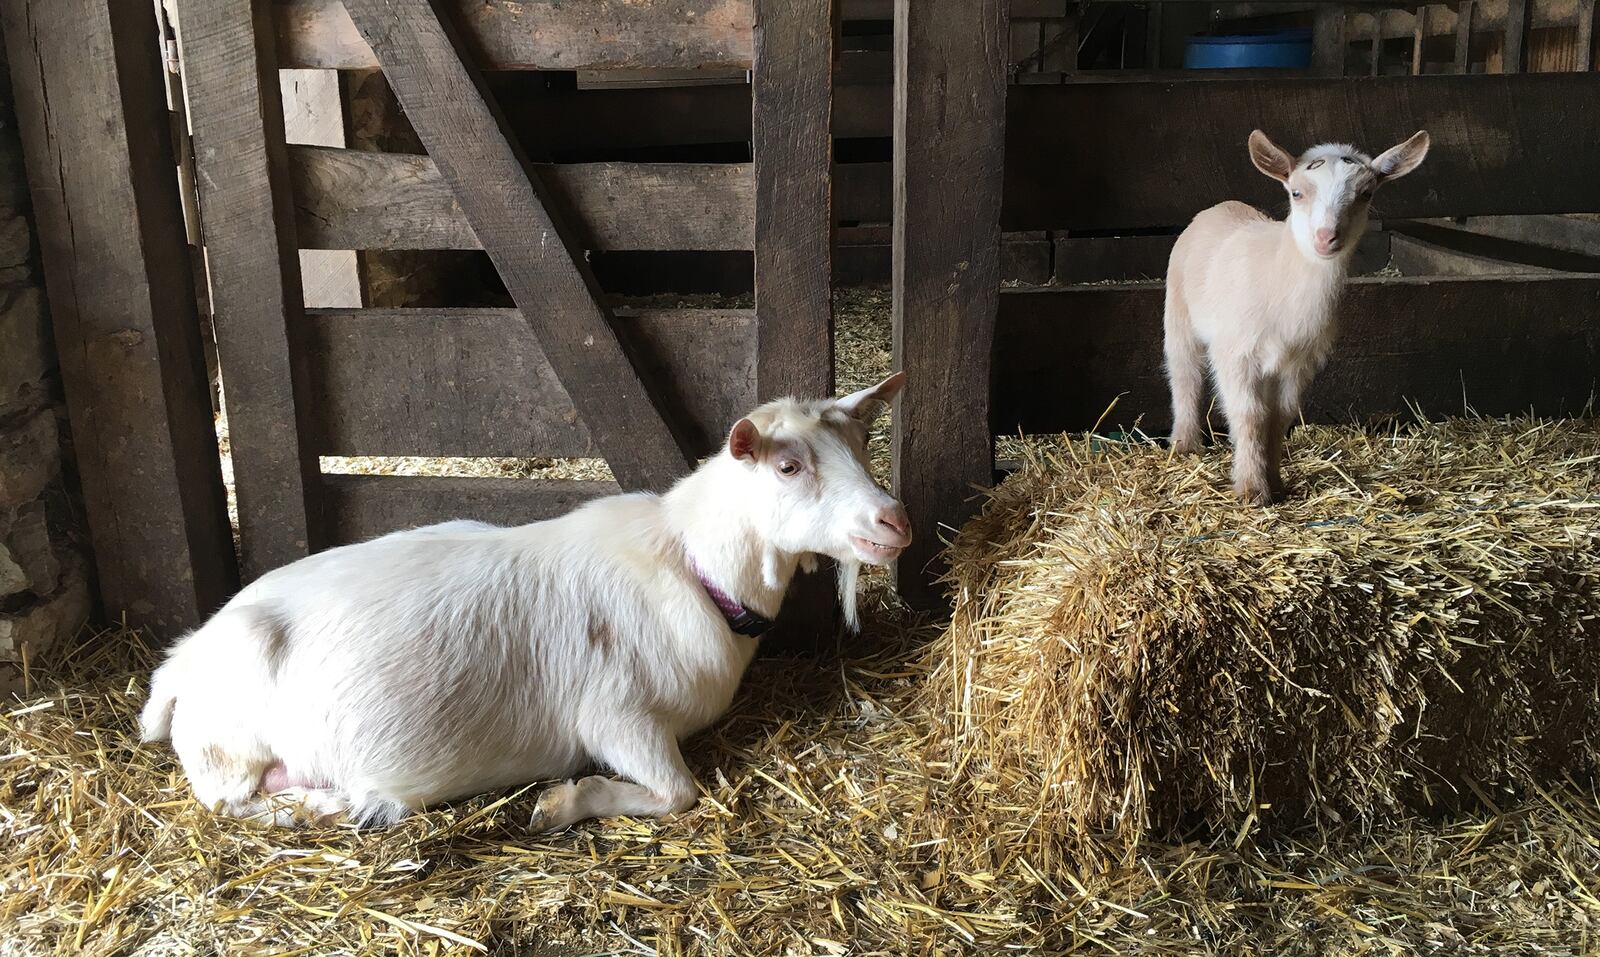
[[1133, 650]]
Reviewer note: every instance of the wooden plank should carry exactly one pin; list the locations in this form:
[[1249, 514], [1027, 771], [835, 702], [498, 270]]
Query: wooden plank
[[1489, 16], [1504, 345], [539, 34], [516, 218], [1418, 59], [950, 88], [1571, 234], [1464, 13], [792, 143], [1419, 257], [1504, 253], [468, 382], [1329, 43], [1515, 47], [361, 507], [353, 199], [1492, 155], [89, 98], [1583, 43], [248, 218]]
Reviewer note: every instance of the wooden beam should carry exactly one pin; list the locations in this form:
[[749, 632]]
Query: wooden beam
[[248, 218], [1329, 43], [88, 85], [1464, 13], [1515, 49], [949, 151], [464, 382], [353, 199], [1123, 166], [539, 34], [361, 507], [1499, 345], [1418, 60], [515, 217], [1583, 43], [1499, 253], [792, 142]]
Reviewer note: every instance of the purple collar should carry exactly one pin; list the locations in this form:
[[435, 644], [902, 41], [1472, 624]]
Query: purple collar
[[742, 620]]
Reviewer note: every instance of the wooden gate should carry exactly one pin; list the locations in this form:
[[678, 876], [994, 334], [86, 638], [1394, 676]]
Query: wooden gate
[[562, 373]]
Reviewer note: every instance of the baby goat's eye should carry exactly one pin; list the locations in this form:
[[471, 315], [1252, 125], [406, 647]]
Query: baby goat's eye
[[1295, 193], [789, 467]]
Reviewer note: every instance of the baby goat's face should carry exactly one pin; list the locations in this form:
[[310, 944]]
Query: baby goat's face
[[1330, 188], [807, 478]]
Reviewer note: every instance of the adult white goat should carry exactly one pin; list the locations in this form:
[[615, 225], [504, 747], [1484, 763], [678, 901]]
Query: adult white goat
[[375, 679], [1258, 297]]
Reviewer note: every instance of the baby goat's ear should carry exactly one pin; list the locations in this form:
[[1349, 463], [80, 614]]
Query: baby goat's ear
[[1397, 161], [868, 404], [744, 441], [1269, 157]]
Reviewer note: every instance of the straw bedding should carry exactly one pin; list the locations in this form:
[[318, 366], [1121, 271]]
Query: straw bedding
[[847, 806], [1418, 626]]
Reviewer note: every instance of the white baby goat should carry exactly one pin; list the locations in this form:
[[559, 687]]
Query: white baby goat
[[372, 680], [1258, 297]]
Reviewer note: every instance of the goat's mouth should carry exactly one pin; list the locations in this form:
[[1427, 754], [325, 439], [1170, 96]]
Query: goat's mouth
[[875, 553]]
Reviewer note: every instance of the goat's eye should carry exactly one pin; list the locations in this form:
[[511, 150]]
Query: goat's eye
[[1295, 193], [789, 467]]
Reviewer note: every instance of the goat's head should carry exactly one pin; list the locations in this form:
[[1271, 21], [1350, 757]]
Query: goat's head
[[1330, 188], [810, 489]]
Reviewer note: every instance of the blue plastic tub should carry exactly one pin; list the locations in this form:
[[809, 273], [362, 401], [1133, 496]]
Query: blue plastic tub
[[1286, 49]]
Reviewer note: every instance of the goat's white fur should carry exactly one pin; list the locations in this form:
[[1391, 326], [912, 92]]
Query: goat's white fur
[[1257, 298], [372, 680]]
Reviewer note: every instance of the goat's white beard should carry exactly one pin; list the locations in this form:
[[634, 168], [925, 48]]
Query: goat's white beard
[[849, 573]]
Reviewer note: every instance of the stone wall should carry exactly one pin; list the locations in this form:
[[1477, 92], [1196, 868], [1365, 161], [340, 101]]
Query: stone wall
[[44, 592]]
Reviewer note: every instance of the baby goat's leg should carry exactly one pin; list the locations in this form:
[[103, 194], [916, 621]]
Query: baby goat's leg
[[1291, 386], [1186, 375], [639, 749], [1250, 401]]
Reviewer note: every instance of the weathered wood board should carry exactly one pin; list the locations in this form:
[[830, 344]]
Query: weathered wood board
[[1497, 345]]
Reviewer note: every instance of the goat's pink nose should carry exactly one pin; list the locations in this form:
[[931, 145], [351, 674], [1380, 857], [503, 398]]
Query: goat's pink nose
[[894, 518], [1327, 237]]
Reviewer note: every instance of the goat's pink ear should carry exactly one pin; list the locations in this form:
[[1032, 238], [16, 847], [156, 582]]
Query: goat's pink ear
[[744, 441], [1269, 157], [1397, 161], [868, 404]]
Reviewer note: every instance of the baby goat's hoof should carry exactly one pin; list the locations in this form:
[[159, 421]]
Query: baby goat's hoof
[[1187, 445], [1254, 494]]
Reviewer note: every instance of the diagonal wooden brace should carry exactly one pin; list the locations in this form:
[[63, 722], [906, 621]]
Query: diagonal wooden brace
[[445, 99]]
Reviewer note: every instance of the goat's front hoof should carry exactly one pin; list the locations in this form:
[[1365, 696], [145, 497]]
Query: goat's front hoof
[[1254, 493], [1187, 445]]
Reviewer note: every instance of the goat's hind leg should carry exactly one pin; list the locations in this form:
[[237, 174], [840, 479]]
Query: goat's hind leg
[[637, 749], [1186, 375]]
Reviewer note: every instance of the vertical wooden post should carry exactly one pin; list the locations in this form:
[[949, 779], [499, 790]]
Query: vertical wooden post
[[1328, 40], [247, 215], [1152, 36], [792, 103], [949, 157], [1375, 67], [1515, 55], [1584, 42], [87, 75], [1419, 38], [1464, 36]]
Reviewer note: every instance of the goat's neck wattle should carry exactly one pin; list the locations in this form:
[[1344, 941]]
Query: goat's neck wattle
[[723, 543]]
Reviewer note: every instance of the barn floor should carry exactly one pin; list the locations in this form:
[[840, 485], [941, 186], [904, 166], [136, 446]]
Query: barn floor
[[824, 829]]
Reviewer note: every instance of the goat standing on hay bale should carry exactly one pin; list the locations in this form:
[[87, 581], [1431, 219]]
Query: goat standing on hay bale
[[372, 680], [1257, 296]]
